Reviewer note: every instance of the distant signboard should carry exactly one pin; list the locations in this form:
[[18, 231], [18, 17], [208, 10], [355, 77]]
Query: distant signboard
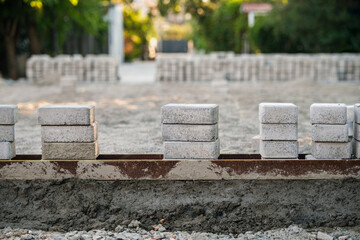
[[173, 46]]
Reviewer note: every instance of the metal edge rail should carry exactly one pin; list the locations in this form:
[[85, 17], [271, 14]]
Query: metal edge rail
[[153, 167]]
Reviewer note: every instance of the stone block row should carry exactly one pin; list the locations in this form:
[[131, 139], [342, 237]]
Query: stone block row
[[190, 131], [278, 130], [8, 118], [356, 141], [330, 131], [68, 132]]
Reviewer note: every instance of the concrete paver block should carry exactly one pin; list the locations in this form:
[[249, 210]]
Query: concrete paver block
[[278, 113], [7, 133], [271, 131], [357, 113], [190, 132], [357, 131], [7, 150], [350, 113], [69, 133], [67, 115], [192, 150], [357, 149], [328, 113], [336, 150], [70, 151], [190, 113], [330, 133], [8, 114], [279, 149], [309, 157]]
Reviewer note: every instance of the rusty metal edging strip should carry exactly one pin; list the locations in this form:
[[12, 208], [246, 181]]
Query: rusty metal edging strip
[[153, 167]]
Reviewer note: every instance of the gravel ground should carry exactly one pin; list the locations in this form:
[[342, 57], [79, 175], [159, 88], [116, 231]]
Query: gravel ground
[[134, 231], [129, 114]]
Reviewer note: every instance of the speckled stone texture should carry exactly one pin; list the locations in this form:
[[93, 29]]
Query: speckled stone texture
[[7, 150], [7, 133], [8, 114], [357, 113], [269, 131], [278, 113], [357, 149], [190, 113], [331, 150], [70, 133], [189, 132], [66, 115], [330, 133], [328, 113], [70, 151], [192, 150], [278, 149]]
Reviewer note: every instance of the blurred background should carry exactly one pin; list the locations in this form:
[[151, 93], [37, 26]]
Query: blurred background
[[129, 58]]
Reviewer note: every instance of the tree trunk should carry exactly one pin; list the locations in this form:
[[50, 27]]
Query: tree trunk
[[34, 41], [11, 56]]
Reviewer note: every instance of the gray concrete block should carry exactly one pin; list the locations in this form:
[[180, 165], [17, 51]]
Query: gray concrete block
[[350, 113], [279, 131], [357, 149], [190, 132], [278, 113], [7, 150], [357, 131], [326, 150], [70, 151], [7, 133], [350, 129], [330, 133], [279, 149], [328, 113], [357, 113], [67, 115], [69, 133], [191, 150], [8, 114], [190, 113]]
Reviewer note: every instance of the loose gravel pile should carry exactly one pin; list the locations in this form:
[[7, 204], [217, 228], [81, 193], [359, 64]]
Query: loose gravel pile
[[134, 231]]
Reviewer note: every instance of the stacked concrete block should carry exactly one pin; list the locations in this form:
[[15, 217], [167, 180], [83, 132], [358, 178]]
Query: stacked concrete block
[[278, 130], [8, 118], [190, 131], [330, 131], [357, 130], [68, 132]]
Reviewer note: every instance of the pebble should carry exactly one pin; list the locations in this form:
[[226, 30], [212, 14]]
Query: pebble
[[134, 232]]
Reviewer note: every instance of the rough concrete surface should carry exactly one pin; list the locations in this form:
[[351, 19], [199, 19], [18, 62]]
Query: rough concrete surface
[[278, 131], [328, 113], [69, 133], [279, 149], [332, 150], [190, 113], [278, 113], [330, 133], [70, 151], [8, 114], [7, 133], [190, 132], [7, 150], [213, 206], [192, 150], [66, 115]]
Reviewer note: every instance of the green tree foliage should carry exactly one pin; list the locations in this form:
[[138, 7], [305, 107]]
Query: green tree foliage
[[138, 29], [310, 26]]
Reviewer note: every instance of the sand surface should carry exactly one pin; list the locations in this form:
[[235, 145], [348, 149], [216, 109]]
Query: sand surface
[[129, 114]]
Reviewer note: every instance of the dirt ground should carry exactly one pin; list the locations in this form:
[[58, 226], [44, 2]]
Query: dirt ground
[[129, 114]]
